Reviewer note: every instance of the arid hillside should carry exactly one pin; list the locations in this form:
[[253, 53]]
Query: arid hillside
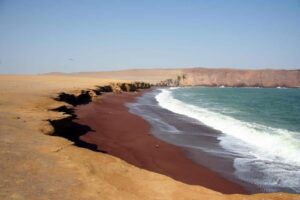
[[203, 76], [242, 78], [149, 75]]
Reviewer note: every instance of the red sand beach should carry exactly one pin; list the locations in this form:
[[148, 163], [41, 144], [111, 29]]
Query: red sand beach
[[127, 136]]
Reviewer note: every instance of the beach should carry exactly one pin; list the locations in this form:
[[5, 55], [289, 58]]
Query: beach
[[36, 164], [149, 100], [127, 136]]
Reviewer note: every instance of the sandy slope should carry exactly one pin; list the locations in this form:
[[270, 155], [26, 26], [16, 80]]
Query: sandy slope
[[34, 165], [206, 76], [151, 75]]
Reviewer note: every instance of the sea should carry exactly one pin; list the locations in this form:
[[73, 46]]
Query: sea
[[250, 136]]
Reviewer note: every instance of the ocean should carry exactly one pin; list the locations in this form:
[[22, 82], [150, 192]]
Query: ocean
[[248, 135]]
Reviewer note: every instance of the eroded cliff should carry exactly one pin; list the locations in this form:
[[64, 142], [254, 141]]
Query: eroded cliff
[[35, 165], [242, 78], [234, 78]]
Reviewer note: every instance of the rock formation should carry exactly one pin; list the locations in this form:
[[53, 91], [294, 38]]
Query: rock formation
[[235, 78], [204, 77]]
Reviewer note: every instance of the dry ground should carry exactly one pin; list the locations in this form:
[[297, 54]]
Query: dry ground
[[34, 165]]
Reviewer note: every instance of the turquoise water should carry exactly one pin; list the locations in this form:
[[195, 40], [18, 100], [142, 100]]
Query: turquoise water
[[277, 108], [259, 126]]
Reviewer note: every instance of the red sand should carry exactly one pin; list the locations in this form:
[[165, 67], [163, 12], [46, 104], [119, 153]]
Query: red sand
[[128, 137]]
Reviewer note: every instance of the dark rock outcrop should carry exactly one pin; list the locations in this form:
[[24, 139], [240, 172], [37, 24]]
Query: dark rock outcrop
[[67, 128]]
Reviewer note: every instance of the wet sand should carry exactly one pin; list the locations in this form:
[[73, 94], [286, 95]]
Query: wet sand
[[127, 136]]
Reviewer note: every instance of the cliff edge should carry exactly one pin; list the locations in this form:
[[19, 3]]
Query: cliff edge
[[36, 165], [241, 78]]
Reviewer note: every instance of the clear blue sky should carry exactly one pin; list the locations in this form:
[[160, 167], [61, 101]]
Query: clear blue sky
[[39, 36]]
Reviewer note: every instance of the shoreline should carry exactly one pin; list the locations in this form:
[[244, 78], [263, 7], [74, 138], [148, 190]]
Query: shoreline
[[125, 135], [30, 154]]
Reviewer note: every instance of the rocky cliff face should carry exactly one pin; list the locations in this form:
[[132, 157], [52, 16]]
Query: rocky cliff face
[[235, 78], [63, 127], [204, 76], [85, 96]]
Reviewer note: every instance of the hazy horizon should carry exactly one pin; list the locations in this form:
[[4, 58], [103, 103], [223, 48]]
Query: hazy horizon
[[85, 36], [127, 69]]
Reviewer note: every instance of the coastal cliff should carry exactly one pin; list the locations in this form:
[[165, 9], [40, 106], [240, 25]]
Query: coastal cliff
[[242, 78], [234, 78], [62, 127], [202, 77], [35, 165]]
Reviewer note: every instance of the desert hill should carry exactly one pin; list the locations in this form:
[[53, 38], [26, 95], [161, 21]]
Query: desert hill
[[203, 77]]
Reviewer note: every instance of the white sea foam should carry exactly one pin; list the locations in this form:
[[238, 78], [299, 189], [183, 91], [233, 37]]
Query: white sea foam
[[174, 88], [161, 125], [273, 143], [272, 153]]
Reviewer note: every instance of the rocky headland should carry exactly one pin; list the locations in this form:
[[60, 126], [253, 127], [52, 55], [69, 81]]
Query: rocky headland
[[235, 78], [204, 77]]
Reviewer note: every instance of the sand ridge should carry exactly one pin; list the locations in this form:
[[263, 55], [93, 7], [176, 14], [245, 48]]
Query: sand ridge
[[35, 165], [230, 77]]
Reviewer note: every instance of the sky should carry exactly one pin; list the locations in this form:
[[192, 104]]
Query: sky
[[38, 36]]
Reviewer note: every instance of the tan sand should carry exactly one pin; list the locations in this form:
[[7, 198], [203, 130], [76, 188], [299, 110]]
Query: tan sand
[[205, 76], [35, 165], [151, 75]]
